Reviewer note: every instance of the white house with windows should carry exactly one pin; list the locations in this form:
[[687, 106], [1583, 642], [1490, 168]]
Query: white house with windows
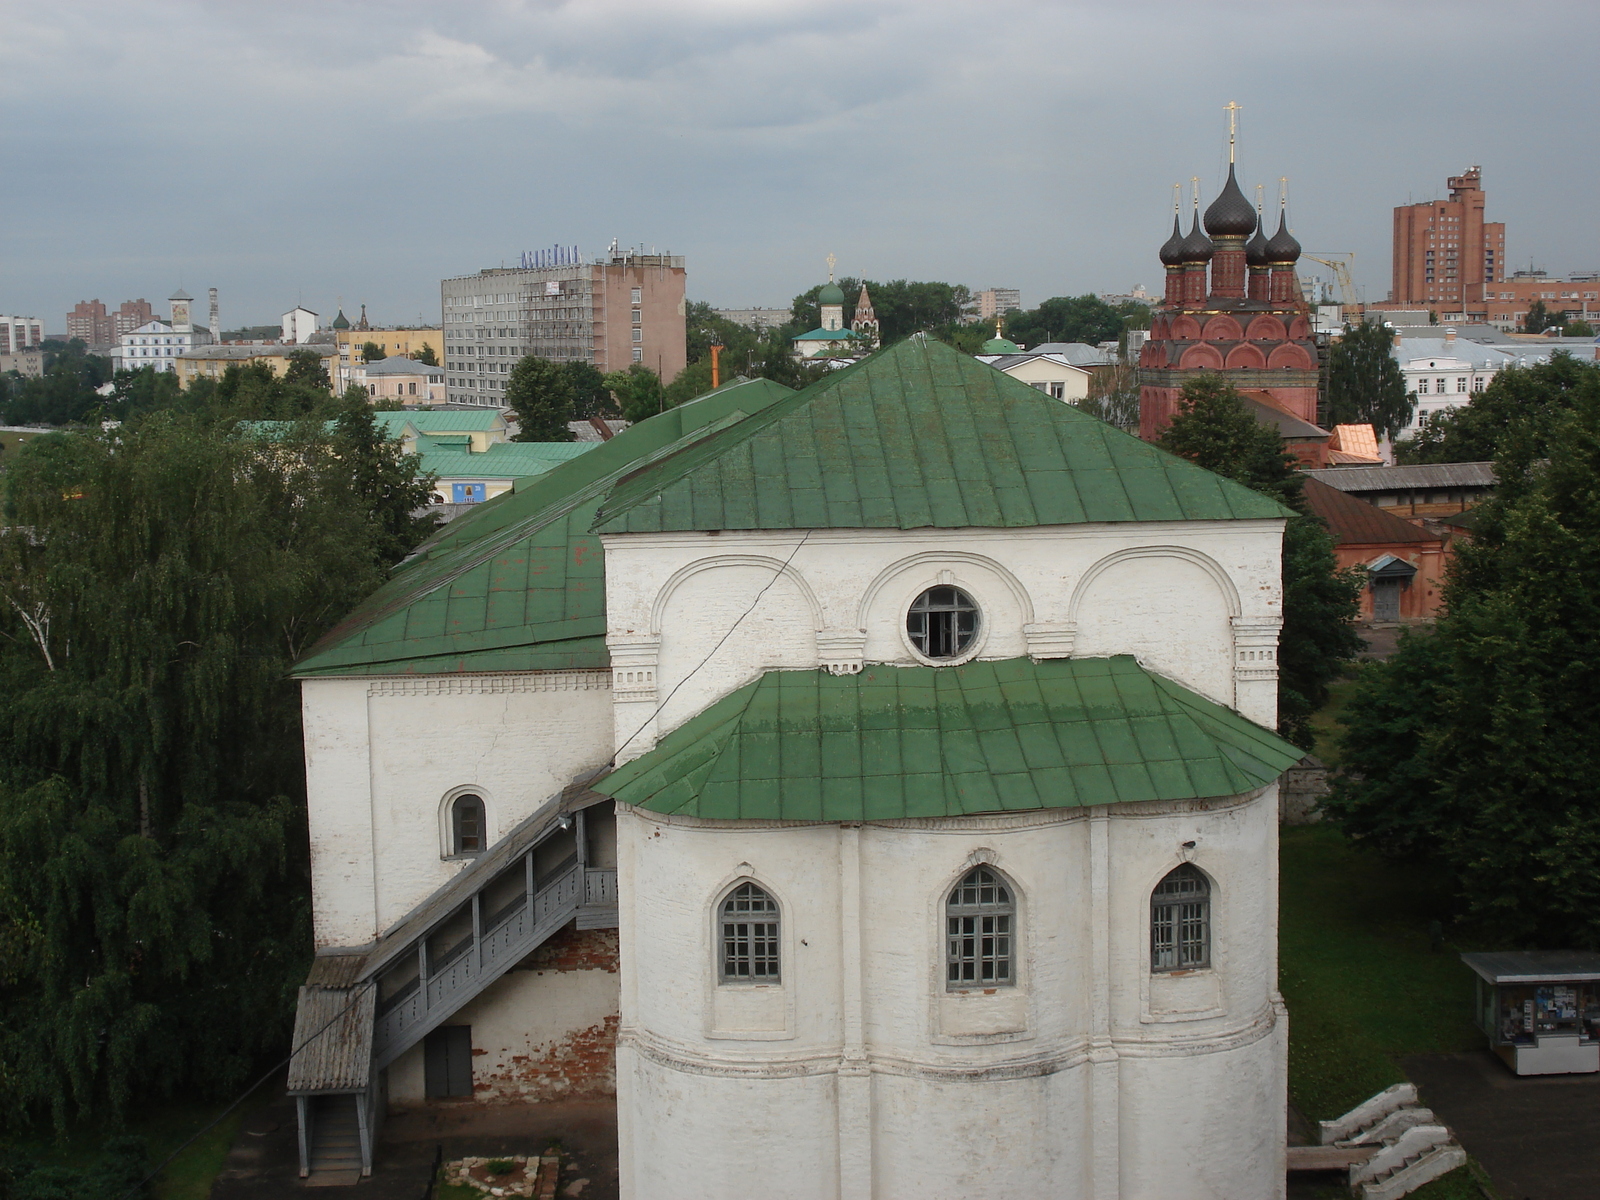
[[872, 787], [1444, 373], [158, 344]]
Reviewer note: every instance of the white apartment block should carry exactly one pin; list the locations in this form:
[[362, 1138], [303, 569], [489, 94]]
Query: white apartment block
[[20, 333]]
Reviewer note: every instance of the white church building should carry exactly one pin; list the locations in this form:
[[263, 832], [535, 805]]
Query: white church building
[[872, 787]]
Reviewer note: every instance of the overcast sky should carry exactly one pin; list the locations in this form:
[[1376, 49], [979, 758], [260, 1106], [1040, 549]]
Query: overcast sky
[[359, 152]]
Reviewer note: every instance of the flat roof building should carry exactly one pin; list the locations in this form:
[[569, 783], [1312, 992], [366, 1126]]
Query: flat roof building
[[622, 308]]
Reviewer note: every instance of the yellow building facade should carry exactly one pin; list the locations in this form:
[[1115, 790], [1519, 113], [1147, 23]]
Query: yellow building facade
[[404, 342], [209, 362]]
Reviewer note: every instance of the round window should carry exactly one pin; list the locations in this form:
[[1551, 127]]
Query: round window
[[942, 622]]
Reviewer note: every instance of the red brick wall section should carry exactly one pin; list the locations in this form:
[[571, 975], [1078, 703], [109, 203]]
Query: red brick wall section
[[582, 1063]]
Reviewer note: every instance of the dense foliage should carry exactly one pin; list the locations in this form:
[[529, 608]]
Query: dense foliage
[[540, 392], [638, 390], [902, 307], [1320, 603], [1085, 318], [1521, 404], [1365, 383], [1475, 747], [1114, 396], [65, 392], [157, 580]]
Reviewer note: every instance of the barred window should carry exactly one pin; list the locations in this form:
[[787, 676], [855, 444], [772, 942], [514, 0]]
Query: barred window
[[942, 622], [749, 924], [979, 915], [1180, 921]]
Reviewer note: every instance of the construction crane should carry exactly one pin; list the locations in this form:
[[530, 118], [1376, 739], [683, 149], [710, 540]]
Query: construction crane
[[1339, 264]]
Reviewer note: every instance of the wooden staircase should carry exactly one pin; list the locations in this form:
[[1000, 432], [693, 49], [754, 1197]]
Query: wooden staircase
[[361, 1010], [334, 1154]]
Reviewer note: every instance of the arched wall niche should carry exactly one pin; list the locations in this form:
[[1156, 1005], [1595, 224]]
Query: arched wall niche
[[1004, 604], [1201, 355], [1244, 356]]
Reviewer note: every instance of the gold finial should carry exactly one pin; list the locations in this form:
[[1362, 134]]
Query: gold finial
[[997, 320], [831, 261], [1177, 198], [1283, 192], [1232, 110], [1194, 181]]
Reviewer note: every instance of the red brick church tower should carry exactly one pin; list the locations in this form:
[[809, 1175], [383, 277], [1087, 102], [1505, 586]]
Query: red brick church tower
[[1248, 323]]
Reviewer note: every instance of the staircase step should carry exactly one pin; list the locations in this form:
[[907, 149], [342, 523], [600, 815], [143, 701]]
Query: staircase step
[[1424, 1169]]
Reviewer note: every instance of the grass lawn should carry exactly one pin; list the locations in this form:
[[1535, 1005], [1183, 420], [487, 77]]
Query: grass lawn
[[1324, 723], [1363, 985]]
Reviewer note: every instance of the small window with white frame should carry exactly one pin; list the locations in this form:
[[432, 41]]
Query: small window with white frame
[[980, 933], [747, 936], [468, 835], [1180, 921], [638, 295]]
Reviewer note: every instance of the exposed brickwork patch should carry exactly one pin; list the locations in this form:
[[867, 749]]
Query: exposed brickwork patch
[[580, 1066], [574, 949]]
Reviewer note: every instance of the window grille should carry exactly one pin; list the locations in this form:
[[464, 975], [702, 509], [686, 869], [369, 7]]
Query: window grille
[[978, 928], [749, 923], [1180, 921], [942, 622], [466, 819]]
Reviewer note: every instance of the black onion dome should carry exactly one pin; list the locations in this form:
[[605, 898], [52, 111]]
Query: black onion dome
[[1255, 250], [1230, 214], [1281, 246], [1172, 249], [1197, 247]]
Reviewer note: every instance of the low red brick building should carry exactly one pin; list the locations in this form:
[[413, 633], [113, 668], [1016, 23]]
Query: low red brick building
[[1405, 563]]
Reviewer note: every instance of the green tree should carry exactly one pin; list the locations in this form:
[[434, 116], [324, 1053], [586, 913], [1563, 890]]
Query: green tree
[[307, 368], [638, 390], [1114, 396], [1577, 327], [142, 391], [1365, 383], [1501, 749], [590, 396], [1320, 603], [540, 393], [426, 355], [66, 392], [1521, 403], [1085, 318], [156, 582], [1539, 318], [372, 352], [391, 486]]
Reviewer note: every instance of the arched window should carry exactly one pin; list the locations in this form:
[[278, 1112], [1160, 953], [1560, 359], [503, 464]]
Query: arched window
[[942, 622], [466, 824], [748, 922], [979, 917], [1180, 921]]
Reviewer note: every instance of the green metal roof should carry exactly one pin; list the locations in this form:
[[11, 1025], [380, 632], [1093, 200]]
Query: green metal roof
[[826, 335], [467, 420], [518, 584], [502, 460], [921, 435], [897, 742]]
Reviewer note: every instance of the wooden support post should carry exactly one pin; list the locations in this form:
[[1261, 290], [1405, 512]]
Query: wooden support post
[[527, 861], [477, 933], [422, 971], [581, 837], [302, 1111]]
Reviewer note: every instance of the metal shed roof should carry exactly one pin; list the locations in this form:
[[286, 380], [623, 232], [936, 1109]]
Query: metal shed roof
[[1354, 522], [1534, 966], [332, 1040], [896, 742], [1426, 475]]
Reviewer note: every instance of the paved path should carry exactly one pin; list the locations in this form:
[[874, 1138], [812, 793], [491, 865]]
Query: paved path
[[1537, 1136], [264, 1162]]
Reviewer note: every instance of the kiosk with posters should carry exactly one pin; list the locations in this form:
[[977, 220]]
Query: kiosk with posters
[[1540, 1009]]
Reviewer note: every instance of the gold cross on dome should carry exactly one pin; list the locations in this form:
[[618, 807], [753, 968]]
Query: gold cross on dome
[[1232, 110], [831, 261]]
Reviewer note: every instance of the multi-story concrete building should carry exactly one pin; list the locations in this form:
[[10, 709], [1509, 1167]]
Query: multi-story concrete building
[[90, 321], [623, 308], [18, 334], [994, 302], [756, 318], [1507, 301], [1444, 251]]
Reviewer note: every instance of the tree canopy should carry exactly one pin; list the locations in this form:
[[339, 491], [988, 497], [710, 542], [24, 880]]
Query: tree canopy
[[638, 390], [1320, 603], [1475, 747], [902, 306], [1365, 383], [64, 394], [1522, 404], [1085, 318], [427, 355], [372, 352], [540, 392], [156, 582]]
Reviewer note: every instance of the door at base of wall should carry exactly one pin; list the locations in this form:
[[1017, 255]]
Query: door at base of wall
[[447, 1061]]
